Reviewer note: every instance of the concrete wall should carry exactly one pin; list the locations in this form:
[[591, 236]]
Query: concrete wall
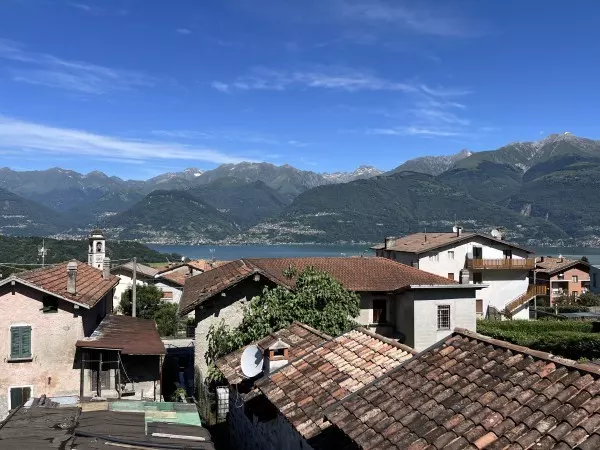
[[504, 286], [127, 281], [247, 433], [54, 368], [424, 314]]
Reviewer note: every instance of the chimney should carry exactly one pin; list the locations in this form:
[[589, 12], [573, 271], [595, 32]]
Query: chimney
[[464, 276], [72, 277], [458, 231], [276, 356], [106, 268], [541, 259], [425, 237], [390, 242]]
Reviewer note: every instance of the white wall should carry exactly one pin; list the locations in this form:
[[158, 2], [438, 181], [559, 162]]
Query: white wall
[[127, 281], [423, 304]]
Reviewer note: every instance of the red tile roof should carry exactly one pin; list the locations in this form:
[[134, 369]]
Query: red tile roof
[[474, 392], [423, 242], [91, 286], [361, 274], [550, 265], [130, 335], [301, 338], [174, 277], [303, 389]]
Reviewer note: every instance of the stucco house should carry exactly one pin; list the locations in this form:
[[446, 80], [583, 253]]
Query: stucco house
[[562, 277], [283, 407], [396, 300], [472, 258], [44, 312]]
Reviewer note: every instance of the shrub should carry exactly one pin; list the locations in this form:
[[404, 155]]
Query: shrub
[[564, 309]]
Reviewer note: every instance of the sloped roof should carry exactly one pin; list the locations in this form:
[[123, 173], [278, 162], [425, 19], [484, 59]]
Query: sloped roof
[[473, 392], [424, 242], [360, 274], [91, 286], [303, 389], [140, 269], [550, 265], [130, 335], [301, 338]]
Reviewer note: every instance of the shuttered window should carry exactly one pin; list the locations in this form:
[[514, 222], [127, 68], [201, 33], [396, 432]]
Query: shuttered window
[[20, 342], [19, 396]]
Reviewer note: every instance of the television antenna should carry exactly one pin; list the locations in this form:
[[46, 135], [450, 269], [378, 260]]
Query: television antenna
[[251, 361], [212, 253], [42, 252]]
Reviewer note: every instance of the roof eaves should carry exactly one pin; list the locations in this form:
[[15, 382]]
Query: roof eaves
[[389, 341], [54, 294], [449, 286]]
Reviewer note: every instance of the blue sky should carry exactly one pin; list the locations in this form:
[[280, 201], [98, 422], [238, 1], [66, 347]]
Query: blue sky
[[136, 88]]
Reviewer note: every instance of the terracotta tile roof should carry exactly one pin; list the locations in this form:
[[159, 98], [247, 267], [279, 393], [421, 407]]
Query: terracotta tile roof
[[301, 338], [303, 389], [366, 274], [175, 277], [424, 242], [91, 286], [474, 392], [130, 335], [550, 265], [205, 264]]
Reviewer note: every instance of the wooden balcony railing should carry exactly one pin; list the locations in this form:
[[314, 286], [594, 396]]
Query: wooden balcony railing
[[477, 264], [532, 291]]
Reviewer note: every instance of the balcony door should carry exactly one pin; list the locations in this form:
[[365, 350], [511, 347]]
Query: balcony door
[[379, 311], [507, 254], [477, 253]]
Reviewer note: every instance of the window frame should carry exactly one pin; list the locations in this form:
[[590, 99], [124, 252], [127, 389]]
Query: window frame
[[20, 357], [574, 278], [10, 388], [479, 311], [442, 309], [49, 309], [451, 255], [478, 274], [382, 319]]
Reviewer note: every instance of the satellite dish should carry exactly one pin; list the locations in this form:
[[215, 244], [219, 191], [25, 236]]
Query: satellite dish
[[252, 361], [496, 233], [455, 228]]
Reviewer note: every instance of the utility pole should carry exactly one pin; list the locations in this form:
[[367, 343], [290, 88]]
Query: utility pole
[[133, 288]]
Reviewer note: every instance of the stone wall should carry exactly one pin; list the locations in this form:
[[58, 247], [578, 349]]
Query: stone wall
[[246, 432]]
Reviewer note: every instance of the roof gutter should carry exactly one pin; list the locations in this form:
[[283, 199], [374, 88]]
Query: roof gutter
[[54, 294], [449, 286]]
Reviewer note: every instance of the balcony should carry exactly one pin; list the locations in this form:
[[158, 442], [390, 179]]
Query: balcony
[[480, 264]]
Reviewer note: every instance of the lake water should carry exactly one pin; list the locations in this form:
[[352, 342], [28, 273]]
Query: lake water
[[230, 252]]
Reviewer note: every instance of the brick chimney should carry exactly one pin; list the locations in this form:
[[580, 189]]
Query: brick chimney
[[276, 356], [72, 277], [106, 268], [390, 242]]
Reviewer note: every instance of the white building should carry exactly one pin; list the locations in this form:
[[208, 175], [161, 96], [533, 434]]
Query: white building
[[470, 258]]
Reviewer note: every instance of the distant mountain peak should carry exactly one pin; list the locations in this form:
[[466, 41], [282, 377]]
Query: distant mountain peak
[[432, 165], [359, 173]]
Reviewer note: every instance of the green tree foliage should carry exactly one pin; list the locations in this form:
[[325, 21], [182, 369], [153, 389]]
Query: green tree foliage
[[166, 319], [589, 299], [318, 300], [148, 300]]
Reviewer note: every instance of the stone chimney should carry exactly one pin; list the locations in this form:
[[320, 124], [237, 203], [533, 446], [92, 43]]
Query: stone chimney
[[106, 268], [72, 277], [390, 242], [276, 356], [458, 231], [464, 276]]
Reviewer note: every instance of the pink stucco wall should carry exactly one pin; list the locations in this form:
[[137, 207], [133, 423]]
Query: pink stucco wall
[[583, 276], [53, 369]]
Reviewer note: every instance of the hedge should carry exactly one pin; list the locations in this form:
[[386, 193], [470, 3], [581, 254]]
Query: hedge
[[569, 338], [564, 309]]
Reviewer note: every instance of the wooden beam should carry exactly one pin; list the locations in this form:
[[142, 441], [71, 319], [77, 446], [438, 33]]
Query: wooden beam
[[81, 376], [99, 383]]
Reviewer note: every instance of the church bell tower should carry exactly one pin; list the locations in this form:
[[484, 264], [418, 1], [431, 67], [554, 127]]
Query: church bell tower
[[97, 249]]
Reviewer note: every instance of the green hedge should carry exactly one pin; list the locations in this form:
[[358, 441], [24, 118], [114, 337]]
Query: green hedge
[[568, 338]]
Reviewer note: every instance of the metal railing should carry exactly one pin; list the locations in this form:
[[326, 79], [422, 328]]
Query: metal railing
[[524, 263], [532, 291]]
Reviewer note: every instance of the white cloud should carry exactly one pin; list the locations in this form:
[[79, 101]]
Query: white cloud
[[336, 78], [43, 139], [48, 70], [415, 131], [82, 7], [431, 21], [183, 31]]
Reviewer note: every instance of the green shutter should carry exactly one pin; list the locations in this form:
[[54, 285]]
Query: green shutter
[[15, 342], [16, 397], [25, 342]]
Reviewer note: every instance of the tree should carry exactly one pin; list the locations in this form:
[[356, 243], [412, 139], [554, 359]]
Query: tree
[[585, 259], [148, 300], [166, 319], [318, 300]]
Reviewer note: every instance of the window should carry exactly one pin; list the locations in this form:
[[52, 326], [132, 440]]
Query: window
[[477, 252], [19, 396], [477, 277], [167, 295], [451, 275], [434, 258], [379, 311], [20, 342], [507, 254], [479, 307], [50, 304], [574, 278], [450, 254], [561, 276], [443, 317]]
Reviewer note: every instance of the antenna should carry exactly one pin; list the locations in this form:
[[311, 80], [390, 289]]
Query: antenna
[[43, 251], [252, 361], [212, 253]]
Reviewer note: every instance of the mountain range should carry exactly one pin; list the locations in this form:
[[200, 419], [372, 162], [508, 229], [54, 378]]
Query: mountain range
[[541, 192]]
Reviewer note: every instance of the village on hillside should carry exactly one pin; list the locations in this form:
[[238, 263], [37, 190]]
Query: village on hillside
[[437, 340]]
